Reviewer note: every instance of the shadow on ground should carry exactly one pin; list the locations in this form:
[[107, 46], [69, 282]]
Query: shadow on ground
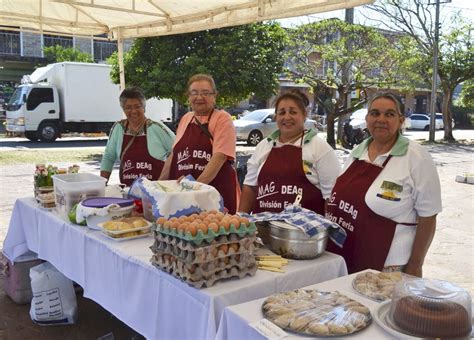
[[94, 322]]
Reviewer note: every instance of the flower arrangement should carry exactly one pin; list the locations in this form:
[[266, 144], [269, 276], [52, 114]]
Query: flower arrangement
[[43, 175]]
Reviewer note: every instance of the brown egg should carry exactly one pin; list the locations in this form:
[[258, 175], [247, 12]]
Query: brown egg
[[224, 248], [161, 221], [173, 219], [225, 223], [191, 228], [194, 216], [220, 215], [203, 227], [175, 225], [214, 227], [234, 246], [167, 225], [203, 214], [235, 222], [244, 220], [213, 211], [198, 220]]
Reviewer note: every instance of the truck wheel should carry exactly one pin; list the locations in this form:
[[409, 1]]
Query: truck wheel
[[254, 138], [48, 132], [31, 135]]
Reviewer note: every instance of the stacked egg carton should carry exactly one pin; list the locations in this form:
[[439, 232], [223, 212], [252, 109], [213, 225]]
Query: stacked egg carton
[[201, 249]]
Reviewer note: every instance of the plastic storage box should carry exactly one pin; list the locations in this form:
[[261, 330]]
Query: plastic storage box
[[17, 276], [70, 189]]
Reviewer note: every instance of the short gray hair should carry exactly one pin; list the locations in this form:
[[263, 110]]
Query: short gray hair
[[390, 96], [133, 92]]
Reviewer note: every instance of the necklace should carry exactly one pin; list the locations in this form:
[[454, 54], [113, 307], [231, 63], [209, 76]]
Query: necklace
[[291, 141]]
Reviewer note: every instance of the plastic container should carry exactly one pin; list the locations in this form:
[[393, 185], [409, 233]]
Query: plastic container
[[121, 207], [70, 189], [431, 309]]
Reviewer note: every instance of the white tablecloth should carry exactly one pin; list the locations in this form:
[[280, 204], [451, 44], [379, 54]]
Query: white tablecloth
[[235, 320], [119, 276]]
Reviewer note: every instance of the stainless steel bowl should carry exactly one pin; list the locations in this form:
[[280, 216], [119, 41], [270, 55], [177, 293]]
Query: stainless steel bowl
[[293, 243]]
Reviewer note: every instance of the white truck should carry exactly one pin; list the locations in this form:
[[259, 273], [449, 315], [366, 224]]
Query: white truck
[[71, 97]]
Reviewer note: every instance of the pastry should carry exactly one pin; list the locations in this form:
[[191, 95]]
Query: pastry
[[429, 317], [316, 313]]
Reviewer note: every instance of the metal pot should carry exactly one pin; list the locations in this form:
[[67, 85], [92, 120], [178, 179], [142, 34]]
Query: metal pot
[[293, 243]]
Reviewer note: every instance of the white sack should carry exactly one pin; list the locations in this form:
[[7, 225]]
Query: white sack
[[54, 299]]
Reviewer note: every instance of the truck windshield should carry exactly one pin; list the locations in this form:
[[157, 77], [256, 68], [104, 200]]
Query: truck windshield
[[17, 97], [16, 100]]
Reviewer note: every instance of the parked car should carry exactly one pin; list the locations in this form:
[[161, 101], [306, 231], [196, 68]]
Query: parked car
[[422, 122], [258, 124], [439, 118]]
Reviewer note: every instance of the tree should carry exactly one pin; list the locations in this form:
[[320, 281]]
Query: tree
[[244, 61], [456, 55], [467, 94], [58, 53], [319, 52]]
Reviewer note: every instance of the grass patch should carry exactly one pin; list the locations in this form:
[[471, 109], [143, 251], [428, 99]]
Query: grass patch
[[49, 156]]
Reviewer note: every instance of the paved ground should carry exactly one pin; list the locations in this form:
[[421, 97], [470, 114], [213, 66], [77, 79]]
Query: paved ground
[[450, 256]]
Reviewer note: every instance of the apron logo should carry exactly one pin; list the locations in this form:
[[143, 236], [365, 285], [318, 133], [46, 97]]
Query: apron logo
[[201, 154], [348, 208], [127, 165], [266, 190], [183, 155], [332, 199], [144, 165], [389, 189], [291, 190], [307, 167]]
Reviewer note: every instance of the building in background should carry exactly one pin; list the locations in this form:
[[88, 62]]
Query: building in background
[[22, 52]]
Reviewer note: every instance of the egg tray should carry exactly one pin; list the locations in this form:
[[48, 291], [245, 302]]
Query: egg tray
[[208, 237], [228, 271], [189, 253], [198, 271]]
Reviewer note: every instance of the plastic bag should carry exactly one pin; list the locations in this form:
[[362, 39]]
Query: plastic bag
[[54, 299]]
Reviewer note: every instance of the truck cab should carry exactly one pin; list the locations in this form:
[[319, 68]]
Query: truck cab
[[33, 110]]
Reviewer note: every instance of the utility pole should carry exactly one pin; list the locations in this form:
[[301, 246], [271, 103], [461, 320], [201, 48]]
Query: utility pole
[[434, 85]]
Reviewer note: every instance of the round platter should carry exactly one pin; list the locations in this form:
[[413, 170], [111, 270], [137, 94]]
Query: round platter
[[316, 313]]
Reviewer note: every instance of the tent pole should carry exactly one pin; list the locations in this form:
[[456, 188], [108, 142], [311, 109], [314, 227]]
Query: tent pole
[[120, 59]]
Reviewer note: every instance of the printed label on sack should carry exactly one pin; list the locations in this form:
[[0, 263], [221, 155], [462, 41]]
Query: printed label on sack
[[48, 304], [268, 329]]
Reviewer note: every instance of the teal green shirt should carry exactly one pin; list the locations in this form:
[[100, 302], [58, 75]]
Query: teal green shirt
[[159, 139]]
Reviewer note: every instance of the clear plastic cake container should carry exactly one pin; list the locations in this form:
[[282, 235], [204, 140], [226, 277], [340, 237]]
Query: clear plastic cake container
[[431, 309]]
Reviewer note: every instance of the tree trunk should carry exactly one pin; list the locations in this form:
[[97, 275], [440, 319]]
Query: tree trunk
[[447, 114], [330, 130]]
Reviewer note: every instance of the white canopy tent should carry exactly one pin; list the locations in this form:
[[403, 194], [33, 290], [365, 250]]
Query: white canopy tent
[[121, 19]]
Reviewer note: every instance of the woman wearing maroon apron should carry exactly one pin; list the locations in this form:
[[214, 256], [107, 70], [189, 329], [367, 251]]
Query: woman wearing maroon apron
[[291, 161], [205, 143], [139, 143], [387, 197]]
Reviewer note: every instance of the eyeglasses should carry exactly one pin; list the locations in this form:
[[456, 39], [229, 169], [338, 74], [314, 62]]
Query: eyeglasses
[[131, 108], [204, 94]]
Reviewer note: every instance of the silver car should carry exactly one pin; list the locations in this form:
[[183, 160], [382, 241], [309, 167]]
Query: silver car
[[258, 124]]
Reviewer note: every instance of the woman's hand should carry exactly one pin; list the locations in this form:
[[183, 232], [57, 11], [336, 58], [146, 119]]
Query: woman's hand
[[414, 269], [247, 199]]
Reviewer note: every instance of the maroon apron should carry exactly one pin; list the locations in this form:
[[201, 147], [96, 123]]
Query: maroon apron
[[282, 178], [136, 161], [369, 235], [191, 155]]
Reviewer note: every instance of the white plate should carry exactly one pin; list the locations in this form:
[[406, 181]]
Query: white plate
[[118, 232], [380, 315], [121, 239]]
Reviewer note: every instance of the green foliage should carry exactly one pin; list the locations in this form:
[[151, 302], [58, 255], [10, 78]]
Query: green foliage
[[334, 56], [467, 94], [244, 60], [58, 53]]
